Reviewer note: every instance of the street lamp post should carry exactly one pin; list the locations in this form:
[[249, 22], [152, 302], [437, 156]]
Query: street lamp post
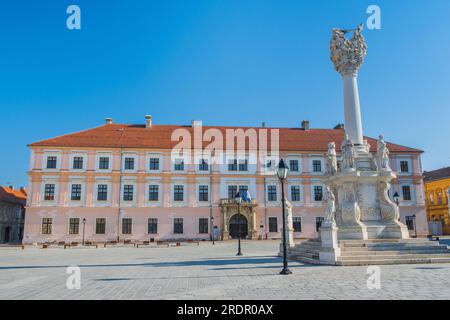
[[396, 198], [238, 201], [282, 172], [84, 228], [212, 230]]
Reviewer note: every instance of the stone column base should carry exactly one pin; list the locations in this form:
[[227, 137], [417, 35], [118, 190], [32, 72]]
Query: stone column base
[[357, 232], [225, 235], [329, 251]]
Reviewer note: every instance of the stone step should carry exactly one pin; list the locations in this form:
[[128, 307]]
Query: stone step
[[391, 261], [395, 256], [394, 248], [305, 254], [391, 247], [304, 259], [414, 240], [393, 252]]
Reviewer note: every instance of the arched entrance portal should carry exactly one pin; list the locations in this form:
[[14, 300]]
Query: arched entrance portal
[[236, 221]]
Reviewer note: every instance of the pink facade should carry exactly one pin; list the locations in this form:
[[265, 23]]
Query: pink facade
[[69, 184]]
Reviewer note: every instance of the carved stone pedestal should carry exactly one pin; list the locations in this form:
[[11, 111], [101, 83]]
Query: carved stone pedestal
[[289, 227], [329, 251]]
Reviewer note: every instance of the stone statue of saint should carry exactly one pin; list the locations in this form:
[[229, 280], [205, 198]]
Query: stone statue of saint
[[382, 155], [331, 206], [332, 162], [348, 156]]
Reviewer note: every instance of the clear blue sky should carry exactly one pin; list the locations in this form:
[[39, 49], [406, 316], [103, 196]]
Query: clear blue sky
[[235, 62]]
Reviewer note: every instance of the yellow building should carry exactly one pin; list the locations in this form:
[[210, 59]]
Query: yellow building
[[437, 194]]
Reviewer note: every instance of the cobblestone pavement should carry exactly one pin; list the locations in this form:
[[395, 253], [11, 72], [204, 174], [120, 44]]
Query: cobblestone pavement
[[204, 272]]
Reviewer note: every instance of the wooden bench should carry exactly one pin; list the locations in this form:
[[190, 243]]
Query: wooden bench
[[144, 243], [112, 243], [160, 243], [64, 244], [90, 244]]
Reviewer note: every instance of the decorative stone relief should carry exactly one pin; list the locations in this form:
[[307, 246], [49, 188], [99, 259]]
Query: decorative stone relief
[[331, 207], [351, 212], [389, 210], [347, 55]]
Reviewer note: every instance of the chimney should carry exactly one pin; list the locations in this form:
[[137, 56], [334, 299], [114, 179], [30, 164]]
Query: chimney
[[108, 120], [305, 125], [339, 126], [196, 123], [148, 121], [263, 124], [23, 189], [11, 187]]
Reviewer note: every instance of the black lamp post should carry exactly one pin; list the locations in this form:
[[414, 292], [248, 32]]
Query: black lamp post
[[84, 227], [396, 198], [282, 172], [238, 200], [212, 229]]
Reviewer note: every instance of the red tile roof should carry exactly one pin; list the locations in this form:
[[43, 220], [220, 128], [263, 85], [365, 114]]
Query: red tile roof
[[159, 137], [13, 196], [436, 174]]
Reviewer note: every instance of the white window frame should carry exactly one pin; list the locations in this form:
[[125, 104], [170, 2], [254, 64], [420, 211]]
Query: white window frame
[[132, 203], [82, 201], [99, 155], [108, 201], [49, 180], [182, 182], [147, 162], [156, 182], [47, 154], [311, 167], [410, 168], [136, 163], [288, 163], [73, 156]]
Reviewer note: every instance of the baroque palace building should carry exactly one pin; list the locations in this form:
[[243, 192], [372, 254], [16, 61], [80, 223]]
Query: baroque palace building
[[437, 193], [120, 181]]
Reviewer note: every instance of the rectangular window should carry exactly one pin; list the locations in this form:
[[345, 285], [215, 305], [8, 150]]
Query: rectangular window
[[270, 164], [295, 193], [153, 192], [178, 225], [297, 224], [152, 226], [293, 165], [203, 225], [49, 192], [273, 224], [319, 221], [127, 224], [46, 225], [318, 193], [232, 190], [178, 193], [77, 163], [203, 193], [128, 192], [102, 192], [100, 226], [51, 162], [76, 192], [154, 164], [272, 193], [179, 165], [317, 166], [74, 225], [243, 165], [404, 166], [203, 165], [103, 163], [409, 222], [129, 163], [232, 165], [406, 190]]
